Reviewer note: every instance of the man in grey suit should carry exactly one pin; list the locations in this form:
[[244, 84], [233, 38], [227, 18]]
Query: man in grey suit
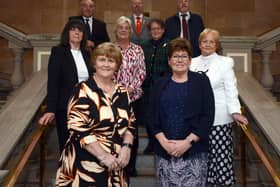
[[140, 30]]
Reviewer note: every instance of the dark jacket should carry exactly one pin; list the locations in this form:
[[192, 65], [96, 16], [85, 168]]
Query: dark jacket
[[62, 77], [156, 60], [195, 25], [99, 31], [199, 112]]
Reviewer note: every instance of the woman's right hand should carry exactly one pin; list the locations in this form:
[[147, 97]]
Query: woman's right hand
[[46, 118], [110, 161]]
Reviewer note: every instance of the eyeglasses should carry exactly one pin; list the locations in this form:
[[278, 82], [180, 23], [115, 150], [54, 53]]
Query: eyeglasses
[[182, 57]]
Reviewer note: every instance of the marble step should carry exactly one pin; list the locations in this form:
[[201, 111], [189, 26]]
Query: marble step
[[3, 174], [142, 181]]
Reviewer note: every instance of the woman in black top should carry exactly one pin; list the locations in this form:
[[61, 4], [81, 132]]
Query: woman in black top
[[68, 65]]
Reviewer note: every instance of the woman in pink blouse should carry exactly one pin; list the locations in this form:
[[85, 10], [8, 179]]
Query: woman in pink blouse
[[131, 74]]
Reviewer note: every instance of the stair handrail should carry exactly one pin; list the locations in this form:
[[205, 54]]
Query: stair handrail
[[14, 173], [268, 39], [245, 128], [14, 36]]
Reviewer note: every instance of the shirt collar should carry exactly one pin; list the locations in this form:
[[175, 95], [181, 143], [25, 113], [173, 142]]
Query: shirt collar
[[187, 17]]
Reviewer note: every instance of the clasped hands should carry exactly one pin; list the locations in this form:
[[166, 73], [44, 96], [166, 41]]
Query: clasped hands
[[176, 148], [114, 163]]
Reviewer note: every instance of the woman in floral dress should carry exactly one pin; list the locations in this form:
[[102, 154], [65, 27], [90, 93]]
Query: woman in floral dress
[[101, 127]]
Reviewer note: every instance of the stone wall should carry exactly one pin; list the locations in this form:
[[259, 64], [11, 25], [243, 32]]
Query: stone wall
[[231, 18]]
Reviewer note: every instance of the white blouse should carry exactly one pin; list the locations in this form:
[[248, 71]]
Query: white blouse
[[80, 65]]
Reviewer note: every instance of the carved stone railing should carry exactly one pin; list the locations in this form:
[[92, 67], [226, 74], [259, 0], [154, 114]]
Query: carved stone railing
[[266, 44], [17, 41]]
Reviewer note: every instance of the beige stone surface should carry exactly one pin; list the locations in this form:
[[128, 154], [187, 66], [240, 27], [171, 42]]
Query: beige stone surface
[[19, 112], [265, 109]]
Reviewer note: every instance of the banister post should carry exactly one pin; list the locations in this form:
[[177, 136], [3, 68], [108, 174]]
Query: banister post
[[266, 78], [17, 78]]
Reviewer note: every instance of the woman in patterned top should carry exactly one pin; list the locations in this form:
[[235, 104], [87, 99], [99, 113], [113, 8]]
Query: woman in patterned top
[[131, 74], [101, 127]]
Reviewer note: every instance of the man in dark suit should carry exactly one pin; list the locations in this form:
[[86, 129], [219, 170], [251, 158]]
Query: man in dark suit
[[96, 29], [174, 26], [140, 31]]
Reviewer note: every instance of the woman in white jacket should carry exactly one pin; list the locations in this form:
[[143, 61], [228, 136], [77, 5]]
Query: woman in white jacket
[[219, 69]]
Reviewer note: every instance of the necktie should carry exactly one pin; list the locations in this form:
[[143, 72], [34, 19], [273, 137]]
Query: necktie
[[138, 25], [185, 27], [87, 27]]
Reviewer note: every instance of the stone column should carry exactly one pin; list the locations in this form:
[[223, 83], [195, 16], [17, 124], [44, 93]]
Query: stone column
[[17, 78], [266, 79]]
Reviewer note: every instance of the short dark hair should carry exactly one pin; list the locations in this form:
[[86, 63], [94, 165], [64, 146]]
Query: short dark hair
[[65, 39], [179, 44], [157, 21]]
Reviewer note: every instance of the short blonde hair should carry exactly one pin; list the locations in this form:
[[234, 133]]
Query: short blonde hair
[[215, 33], [121, 20], [107, 49]]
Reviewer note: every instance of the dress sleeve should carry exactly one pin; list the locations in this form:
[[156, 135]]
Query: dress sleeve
[[54, 67], [139, 72], [131, 117], [230, 86], [206, 118], [79, 123]]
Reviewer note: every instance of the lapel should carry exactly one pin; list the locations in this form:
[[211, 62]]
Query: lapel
[[143, 23], [214, 71], [72, 65], [133, 24]]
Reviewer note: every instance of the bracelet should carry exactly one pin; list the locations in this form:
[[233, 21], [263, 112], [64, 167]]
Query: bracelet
[[129, 145]]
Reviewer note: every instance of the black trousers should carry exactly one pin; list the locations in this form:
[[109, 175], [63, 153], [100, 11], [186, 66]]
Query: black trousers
[[61, 128], [132, 162]]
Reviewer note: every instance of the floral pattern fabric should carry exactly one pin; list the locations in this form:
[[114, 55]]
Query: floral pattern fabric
[[132, 72], [92, 116]]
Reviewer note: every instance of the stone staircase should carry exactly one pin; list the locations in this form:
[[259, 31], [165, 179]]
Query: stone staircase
[[5, 88], [276, 87], [257, 176]]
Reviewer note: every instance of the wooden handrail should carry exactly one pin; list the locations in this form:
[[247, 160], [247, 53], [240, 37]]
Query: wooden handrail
[[261, 154], [14, 173]]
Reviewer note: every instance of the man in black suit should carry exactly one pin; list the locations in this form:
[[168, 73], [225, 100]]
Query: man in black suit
[[96, 29], [174, 26]]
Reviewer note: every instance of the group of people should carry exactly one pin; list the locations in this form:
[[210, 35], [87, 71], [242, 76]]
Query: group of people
[[99, 92]]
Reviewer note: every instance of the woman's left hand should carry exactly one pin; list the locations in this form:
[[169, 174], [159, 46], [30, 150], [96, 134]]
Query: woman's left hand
[[124, 156], [181, 146], [239, 118]]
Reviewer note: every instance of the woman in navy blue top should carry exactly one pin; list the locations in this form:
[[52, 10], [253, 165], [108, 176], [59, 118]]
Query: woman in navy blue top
[[181, 114]]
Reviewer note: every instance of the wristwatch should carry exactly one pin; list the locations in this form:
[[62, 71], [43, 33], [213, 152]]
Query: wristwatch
[[129, 145]]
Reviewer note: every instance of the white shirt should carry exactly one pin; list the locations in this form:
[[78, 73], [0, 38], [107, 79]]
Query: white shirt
[[80, 65], [90, 20]]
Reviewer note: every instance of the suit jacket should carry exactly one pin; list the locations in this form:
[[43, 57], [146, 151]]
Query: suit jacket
[[99, 31], [199, 112], [145, 33], [223, 81], [195, 25], [62, 77]]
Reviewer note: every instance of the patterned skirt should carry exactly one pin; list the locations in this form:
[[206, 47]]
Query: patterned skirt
[[179, 172], [220, 156]]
